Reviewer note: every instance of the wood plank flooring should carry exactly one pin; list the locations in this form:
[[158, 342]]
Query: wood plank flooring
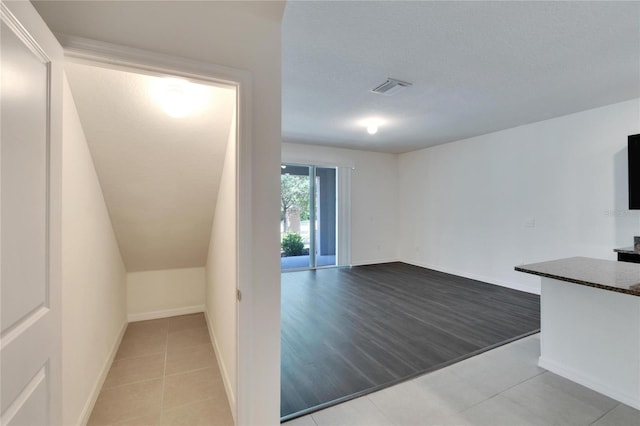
[[350, 331]]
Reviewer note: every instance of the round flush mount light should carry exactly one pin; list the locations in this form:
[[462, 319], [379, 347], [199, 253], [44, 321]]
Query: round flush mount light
[[178, 97], [372, 124]]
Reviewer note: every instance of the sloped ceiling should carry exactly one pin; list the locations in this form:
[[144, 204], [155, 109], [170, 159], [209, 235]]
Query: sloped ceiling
[[159, 175], [476, 67]]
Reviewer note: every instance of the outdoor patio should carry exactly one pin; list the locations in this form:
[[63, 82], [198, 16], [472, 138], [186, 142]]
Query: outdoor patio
[[298, 262]]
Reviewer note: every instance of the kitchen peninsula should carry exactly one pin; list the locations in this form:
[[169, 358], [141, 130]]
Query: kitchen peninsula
[[590, 324]]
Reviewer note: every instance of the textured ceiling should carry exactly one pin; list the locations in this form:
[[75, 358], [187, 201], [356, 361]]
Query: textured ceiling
[[159, 175], [476, 67]]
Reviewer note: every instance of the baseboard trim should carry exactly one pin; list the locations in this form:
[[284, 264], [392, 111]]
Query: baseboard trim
[[166, 313], [589, 382], [374, 262], [471, 276], [93, 395], [223, 369]]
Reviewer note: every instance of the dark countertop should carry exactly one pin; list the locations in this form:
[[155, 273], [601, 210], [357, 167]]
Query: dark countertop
[[626, 250], [622, 277]]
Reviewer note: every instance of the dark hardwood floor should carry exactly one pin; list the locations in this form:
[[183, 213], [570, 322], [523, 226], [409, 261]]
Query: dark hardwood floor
[[350, 331]]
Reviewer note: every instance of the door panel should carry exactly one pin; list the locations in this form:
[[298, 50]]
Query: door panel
[[24, 180], [35, 409], [30, 178]]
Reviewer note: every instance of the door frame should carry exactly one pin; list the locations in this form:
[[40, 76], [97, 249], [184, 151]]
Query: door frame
[[107, 54]]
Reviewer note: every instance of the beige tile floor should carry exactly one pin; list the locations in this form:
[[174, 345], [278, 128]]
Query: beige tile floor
[[501, 387], [165, 373]]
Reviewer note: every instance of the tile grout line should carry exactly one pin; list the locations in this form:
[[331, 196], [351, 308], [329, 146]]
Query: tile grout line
[[187, 371], [150, 354], [164, 370], [380, 410], [162, 375], [195, 401], [604, 414], [501, 394], [497, 393], [164, 356], [131, 383]]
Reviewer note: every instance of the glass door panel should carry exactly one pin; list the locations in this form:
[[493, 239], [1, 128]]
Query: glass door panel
[[325, 216], [307, 216], [295, 214]]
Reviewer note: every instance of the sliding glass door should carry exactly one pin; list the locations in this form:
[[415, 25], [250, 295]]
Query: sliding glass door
[[325, 217], [308, 205]]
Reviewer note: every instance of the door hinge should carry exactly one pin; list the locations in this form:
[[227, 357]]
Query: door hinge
[[239, 295]]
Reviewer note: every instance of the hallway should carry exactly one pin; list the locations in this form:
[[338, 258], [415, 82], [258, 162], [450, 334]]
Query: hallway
[[165, 373]]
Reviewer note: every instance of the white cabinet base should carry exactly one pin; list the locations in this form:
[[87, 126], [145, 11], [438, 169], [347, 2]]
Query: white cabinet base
[[591, 336]]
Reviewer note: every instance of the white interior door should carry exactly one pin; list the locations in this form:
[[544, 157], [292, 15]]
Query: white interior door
[[30, 167]]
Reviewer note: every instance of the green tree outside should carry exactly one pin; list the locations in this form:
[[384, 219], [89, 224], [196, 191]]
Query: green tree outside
[[294, 191]]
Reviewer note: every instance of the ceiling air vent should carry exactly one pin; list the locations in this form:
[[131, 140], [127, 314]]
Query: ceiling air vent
[[390, 87]]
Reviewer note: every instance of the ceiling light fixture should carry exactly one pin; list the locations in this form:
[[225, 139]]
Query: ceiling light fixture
[[178, 97], [372, 124], [390, 87]]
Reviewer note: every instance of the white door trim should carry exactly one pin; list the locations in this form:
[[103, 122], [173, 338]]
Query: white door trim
[[343, 257], [111, 55]]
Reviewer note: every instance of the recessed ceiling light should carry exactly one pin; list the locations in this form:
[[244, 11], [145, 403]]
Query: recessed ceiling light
[[372, 129]]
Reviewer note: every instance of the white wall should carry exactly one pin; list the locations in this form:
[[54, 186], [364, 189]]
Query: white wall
[[93, 275], [547, 190], [374, 197], [221, 273], [167, 292]]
